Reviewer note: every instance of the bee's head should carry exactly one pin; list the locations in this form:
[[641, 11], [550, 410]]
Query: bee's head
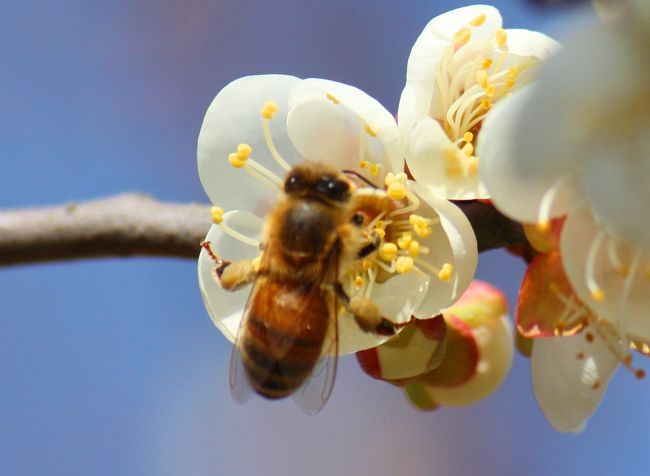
[[312, 180]]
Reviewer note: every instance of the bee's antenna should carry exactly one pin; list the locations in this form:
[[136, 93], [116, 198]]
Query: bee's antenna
[[359, 176]]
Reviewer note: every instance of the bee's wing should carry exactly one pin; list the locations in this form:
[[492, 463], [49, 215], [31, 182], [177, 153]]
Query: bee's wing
[[314, 393], [316, 390], [240, 387]]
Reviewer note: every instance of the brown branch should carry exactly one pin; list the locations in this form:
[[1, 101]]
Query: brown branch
[[122, 225], [135, 224]]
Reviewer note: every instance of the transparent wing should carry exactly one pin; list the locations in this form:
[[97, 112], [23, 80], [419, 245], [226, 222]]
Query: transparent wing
[[316, 390]]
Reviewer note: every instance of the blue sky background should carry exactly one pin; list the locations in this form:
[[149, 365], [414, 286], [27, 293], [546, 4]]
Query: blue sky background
[[112, 367]]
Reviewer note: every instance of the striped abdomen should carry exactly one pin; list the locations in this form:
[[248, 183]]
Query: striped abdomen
[[286, 325]]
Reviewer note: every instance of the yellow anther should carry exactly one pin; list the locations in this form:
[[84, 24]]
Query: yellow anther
[[332, 98], [370, 131], [217, 214], [422, 231], [446, 272], [381, 224], [509, 84], [401, 177], [513, 72], [388, 251], [417, 220], [359, 281], [462, 36], [380, 232], [269, 109], [404, 264], [478, 20], [598, 295], [389, 179], [405, 240], [490, 90], [236, 160], [244, 151], [468, 137], [397, 191], [414, 248], [472, 164], [374, 170], [501, 37], [363, 164], [256, 263], [482, 78], [468, 149], [543, 226], [486, 104], [487, 63], [366, 264]]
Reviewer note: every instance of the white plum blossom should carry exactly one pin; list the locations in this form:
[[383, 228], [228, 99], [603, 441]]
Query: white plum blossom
[[575, 144], [258, 127], [460, 66]]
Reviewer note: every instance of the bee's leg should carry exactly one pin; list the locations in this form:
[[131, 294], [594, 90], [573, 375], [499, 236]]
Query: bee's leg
[[375, 241], [366, 313], [230, 275]]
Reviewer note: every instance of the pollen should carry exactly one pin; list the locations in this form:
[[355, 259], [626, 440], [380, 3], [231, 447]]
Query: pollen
[[236, 160], [244, 151], [359, 281], [486, 104], [388, 251], [380, 232], [468, 137], [404, 264], [598, 295], [216, 213], [397, 190], [363, 164], [414, 249], [405, 240], [370, 131], [462, 36], [269, 109], [487, 63], [446, 272], [422, 231], [501, 37], [374, 170], [478, 20], [256, 262], [332, 98]]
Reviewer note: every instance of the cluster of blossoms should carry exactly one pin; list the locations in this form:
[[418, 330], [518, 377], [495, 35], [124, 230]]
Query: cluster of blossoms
[[463, 135]]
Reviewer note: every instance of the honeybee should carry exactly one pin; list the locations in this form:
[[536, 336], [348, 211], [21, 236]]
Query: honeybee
[[287, 342]]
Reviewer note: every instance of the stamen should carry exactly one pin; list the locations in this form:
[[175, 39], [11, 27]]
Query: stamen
[[332, 98], [239, 236], [363, 164], [405, 240], [241, 159], [597, 293], [374, 170], [461, 37], [359, 281], [414, 249], [614, 259], [269, 143], [501, 37], [217, 214], [397, 191], [468, 137], [487, 63], [370, 131], [478, 20], [446, 272], [388, 251], [404, 264], [545, 204], [269, 109]]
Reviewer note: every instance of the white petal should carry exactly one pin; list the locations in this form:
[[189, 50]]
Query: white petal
[[425, 159], [368, 109], [617, 179], [570, 376], [234, 118], [353, 339], [517, 193], [628, 312], [425, 57], [531, 43], [225, 307], [452, 242]]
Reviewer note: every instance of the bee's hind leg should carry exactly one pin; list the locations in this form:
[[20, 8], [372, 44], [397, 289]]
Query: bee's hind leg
[[366, 313], [231, 275]]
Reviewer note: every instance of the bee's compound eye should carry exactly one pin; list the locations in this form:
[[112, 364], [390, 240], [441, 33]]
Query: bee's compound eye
[[333, 189], [292, 183], [358, 219]]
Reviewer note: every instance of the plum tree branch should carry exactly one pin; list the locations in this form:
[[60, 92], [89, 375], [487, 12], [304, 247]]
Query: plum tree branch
[[135, 224]]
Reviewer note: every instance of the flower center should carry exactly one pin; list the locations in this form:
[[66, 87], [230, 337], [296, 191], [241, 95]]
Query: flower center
[[467, 87]]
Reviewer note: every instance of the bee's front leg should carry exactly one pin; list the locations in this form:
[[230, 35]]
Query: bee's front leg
[[366, 313], [231, 275]]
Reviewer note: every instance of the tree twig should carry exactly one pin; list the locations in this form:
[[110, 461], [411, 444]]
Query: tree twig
[[136, 224]]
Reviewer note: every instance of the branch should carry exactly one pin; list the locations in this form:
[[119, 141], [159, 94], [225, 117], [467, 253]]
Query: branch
[[136, 224]]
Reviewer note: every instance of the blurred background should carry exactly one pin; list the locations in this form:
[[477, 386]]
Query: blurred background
[[112, 367]]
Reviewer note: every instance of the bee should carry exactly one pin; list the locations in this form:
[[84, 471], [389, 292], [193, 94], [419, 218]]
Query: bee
[[287, 342]]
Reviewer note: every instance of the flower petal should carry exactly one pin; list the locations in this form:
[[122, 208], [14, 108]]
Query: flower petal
[[424, 61], [234, 118], [570, 375], [226, 307], [626, 306], [426, 159], [371, 113], [453, 242], [530, 43], [516, 193]]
